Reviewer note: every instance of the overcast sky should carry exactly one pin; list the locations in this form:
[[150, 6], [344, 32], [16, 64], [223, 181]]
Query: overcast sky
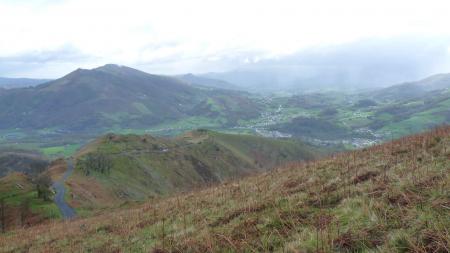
[[48, 38]]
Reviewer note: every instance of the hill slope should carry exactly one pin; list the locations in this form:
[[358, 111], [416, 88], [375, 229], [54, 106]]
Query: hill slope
[[413, 115], [117, 168], [415, 89], [389, 198], [20, 205], [116, 96]]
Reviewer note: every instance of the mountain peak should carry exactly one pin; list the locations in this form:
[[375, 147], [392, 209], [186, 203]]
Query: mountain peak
[[109, 66], [120, 70], [112, 68]]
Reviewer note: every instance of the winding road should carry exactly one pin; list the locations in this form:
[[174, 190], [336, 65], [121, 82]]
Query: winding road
[[66, 211]]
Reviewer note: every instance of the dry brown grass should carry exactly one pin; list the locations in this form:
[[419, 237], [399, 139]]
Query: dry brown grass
[[389, 198], [87, 192], [56, 169]]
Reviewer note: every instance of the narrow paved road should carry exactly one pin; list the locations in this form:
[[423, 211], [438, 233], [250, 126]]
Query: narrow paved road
[[66, 211]]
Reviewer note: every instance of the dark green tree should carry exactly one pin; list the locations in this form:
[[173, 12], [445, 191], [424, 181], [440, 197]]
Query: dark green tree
[[3, 214], [43, 184], [96, 162]]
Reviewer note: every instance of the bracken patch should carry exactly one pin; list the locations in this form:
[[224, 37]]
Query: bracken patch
[[364, 177]]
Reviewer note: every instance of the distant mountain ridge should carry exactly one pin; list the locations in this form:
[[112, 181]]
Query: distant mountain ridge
[[207, 82], [435, 82], [114, 95], [10, 83], [409, 90]]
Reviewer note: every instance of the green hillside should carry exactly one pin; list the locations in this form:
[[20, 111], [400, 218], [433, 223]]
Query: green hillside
[[115, 96], [117, 168], [388, 198], [20, 204], [413, 115]]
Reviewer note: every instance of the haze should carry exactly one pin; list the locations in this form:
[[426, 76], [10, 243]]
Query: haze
[[48, 38]]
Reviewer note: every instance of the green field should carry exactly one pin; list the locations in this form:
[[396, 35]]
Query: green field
[[328, 118], [65, 151]]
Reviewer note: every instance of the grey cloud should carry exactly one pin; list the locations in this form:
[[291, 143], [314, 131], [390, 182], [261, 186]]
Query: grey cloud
[[407, 56], [43, 64], [358, 65], [63, 54], [361, 64], [180, 63]]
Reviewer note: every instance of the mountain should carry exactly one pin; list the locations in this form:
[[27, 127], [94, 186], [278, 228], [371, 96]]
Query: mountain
[[387, 198], [273, 77], [117, 168], [207, 82], [260, 79], [415, 89], [9, 83], [435, 82], [117, 96]]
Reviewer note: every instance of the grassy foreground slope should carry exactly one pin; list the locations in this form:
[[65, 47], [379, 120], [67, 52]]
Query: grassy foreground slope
[[117, 168], [388, 198]]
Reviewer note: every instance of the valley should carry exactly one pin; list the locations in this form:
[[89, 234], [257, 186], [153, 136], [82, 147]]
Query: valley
[[341, 120]]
